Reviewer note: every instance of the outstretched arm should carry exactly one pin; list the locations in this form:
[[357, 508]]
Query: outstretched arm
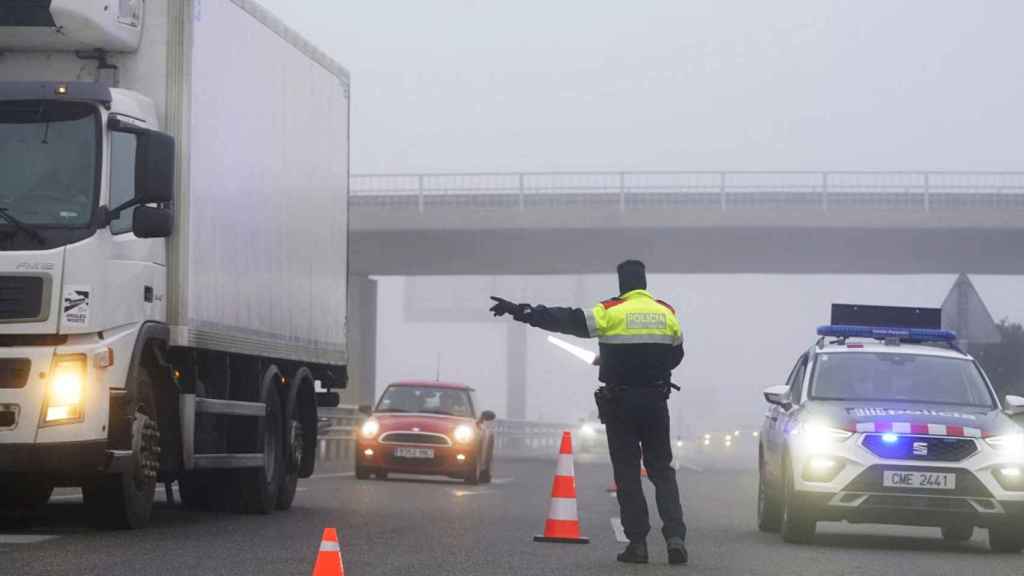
[[571, 321]]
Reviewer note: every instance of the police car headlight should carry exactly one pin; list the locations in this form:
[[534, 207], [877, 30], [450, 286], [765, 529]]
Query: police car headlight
[[1008, 445], [819, 437], [370, 429], [463, 434]]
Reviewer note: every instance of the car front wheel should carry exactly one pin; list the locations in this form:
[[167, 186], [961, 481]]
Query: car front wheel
[[769, 513], [798, 525]]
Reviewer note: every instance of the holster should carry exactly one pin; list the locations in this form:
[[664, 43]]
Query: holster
[[606, 398]]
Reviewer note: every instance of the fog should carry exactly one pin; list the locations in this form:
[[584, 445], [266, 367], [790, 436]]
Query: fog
[[703, 84]]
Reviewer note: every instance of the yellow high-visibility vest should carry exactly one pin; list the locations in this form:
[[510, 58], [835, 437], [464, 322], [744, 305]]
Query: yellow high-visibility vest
[[634, 318]]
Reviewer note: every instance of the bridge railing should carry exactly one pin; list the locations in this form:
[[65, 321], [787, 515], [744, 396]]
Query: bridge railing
[[722, 190], [513, 438]]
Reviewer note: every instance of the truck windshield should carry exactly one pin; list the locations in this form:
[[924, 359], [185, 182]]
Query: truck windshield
[[426, 399], [889, 377], [49, 159]]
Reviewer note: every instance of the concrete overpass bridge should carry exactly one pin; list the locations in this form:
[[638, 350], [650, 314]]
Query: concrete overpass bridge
[[681, 222], [692, 222]]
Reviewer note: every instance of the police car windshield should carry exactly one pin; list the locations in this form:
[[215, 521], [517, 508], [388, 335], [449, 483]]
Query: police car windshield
[[888, 377], [426, 399]]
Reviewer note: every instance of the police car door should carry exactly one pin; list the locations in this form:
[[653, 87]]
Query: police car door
[[779, 417]]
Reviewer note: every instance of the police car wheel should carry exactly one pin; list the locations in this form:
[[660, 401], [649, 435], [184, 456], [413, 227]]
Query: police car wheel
[[798, 526], [957, 532], [1006, 538], [769, 514]]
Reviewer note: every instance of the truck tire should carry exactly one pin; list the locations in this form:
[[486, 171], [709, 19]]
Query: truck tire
[[23, 495], [125, 500], [293, 443], [1006, 537], [260, 486], [769, 513], [798, 525]]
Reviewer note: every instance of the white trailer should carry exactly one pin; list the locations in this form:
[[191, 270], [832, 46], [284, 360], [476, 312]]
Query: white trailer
[[173, 252]]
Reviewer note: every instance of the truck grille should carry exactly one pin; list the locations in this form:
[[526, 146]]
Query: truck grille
[[14, 372], [21, 297], [8, 416], [925, 448], [415, 438]]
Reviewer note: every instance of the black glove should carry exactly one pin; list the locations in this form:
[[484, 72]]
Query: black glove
[[519, 312], [502, 307]]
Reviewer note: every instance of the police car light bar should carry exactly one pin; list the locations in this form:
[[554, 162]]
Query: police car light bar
[[888, 332], [886, 316]]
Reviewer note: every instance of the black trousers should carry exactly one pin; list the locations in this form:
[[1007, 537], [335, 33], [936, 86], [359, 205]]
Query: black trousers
[[638, 426]]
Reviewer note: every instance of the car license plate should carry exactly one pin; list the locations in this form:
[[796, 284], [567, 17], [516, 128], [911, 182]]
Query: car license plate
[[404, 452], [909, 479]]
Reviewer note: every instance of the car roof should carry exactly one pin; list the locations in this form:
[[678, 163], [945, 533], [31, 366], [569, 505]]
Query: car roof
[[431, 384], [861, 346]]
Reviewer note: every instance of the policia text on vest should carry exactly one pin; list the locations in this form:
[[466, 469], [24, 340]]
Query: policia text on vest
[[640, 343]]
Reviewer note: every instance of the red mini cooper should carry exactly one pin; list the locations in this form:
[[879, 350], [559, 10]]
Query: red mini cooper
[[426, 428]]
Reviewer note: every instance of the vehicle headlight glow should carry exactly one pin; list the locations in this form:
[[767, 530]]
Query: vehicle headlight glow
[[587, 430], [818, 437], [1009, 445], [370, 429], [463, 434], [66, 387]]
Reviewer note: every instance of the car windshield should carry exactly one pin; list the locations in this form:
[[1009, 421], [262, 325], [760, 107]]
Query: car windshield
[[887, 377], [426, 399], [48, 158]]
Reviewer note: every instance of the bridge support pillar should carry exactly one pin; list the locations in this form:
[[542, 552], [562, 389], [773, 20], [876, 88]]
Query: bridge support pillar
[[362, 340], [515, 403]]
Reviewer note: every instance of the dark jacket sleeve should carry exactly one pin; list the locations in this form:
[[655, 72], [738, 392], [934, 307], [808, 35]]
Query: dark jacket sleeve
[[571, 321], [677, 356]]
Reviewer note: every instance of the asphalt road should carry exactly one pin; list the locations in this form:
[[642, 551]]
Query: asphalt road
[[421, 527]]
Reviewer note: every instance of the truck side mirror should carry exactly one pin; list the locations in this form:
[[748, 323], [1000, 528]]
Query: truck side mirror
[[151, 222], [154, 167]]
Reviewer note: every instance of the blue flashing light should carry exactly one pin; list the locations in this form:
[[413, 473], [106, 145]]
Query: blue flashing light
[[887, 332], [890, 438]]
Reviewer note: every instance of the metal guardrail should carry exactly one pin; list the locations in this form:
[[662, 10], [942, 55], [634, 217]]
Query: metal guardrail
[[513, 438], [720, 190]]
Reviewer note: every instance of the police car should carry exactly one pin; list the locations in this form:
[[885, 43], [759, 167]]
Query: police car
[[885, 420]]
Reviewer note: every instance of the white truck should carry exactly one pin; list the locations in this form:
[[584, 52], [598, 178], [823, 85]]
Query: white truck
[[173, 253]]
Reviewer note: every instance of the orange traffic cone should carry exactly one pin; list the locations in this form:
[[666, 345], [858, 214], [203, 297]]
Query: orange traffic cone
[[563, 523], [328, 560]]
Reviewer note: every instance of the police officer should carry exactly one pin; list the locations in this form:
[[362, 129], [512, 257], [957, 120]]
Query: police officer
[[641, 342]]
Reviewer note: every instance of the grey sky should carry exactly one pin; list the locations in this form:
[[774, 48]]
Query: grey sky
[[702, 84]]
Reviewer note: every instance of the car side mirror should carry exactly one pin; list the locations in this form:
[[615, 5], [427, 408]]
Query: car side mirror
[[487, 416], [152, 222], [779, 396], [1014, 405], [365, 409]]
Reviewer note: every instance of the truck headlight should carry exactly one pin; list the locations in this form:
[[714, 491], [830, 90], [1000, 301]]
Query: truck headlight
[[463, 434], [65, 389], [818, 437], [370, 429]]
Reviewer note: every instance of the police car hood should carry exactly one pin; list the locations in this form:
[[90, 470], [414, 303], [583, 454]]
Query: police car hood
[[910, 418]]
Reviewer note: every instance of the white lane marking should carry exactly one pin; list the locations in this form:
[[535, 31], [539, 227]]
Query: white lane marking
[[461, 493], [500, 481], [332, 475], [26, 538], [619, 531]]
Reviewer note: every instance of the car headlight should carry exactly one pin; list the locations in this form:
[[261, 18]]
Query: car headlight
[[817, 437], [463, 434], [65, 389], [370, 429], [1008, 445], [587, 430]]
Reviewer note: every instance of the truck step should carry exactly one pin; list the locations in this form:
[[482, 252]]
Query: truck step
[[230, 407], [214, 461]]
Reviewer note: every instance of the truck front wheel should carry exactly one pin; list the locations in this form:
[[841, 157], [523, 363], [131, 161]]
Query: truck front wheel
[[125, 499]]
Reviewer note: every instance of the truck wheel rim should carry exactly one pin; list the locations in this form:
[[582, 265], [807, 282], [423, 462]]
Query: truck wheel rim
[[146, 448]]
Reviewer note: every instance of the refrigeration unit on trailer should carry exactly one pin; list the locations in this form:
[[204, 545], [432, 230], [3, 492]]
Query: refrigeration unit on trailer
[[173, 253]]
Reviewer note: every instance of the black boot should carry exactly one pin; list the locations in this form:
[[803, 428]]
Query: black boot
[[635, 553], [677, 551]]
